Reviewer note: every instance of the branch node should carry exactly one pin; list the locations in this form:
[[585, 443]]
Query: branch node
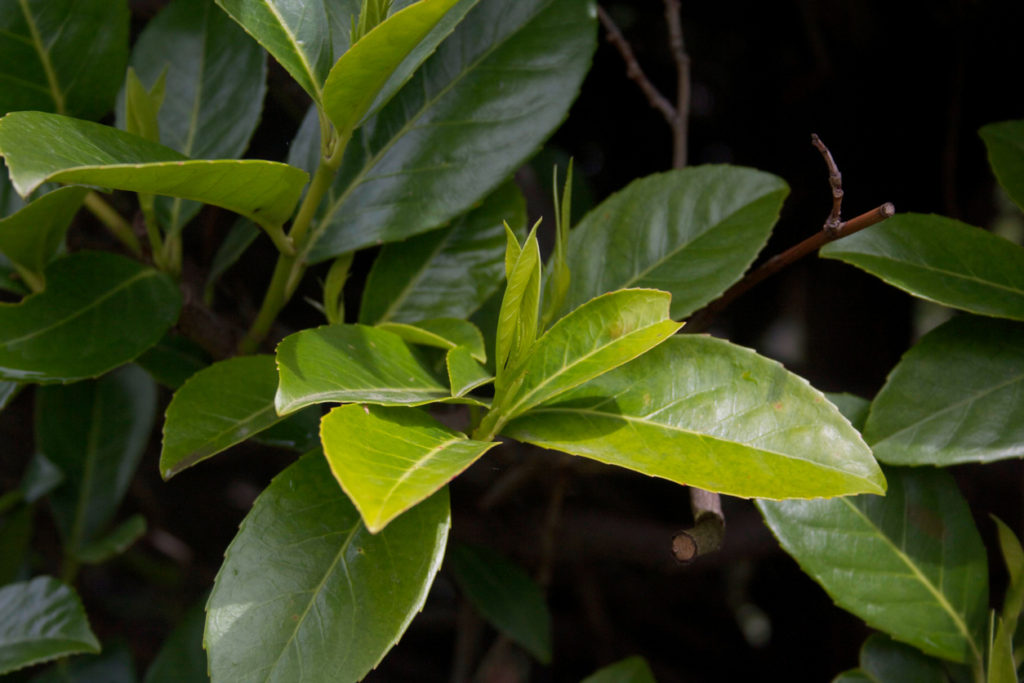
[[708, 530], [835, 179]]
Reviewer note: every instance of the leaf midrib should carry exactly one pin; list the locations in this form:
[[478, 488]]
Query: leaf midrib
[[926, 268], [318, 95], [417, 466], [44, 58]]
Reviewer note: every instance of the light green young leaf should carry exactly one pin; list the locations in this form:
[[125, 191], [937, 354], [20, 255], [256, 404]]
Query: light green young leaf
[[599, 336], [43, 620], [334, 304], [517, 320], [512, 250], [295, 32], [884, 660], [506, 596], [493, 91], [464, 373], [217, 408], [341, 602], [351, 363], [1013, 601], [941, 260], [32, 236], [359, 75], [702, 412], [96, 433], [630, 670], [42, 147], [957, 396], [691, 232], [388, 459], [911, 563], [114, 543], [181, 658], [1001, 667], [98, 312], [446, 273], [556, 286], [64, 56], [142, 105], [442, 333], [1005, 144]]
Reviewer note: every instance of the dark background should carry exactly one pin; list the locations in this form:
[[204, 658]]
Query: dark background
[[897, 90]]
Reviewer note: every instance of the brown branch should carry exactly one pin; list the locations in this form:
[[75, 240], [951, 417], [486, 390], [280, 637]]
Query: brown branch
[[835, 179], [633, 70], [680, 123]]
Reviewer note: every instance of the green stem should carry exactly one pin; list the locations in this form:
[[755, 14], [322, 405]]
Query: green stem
[[156, 241], [34, 281], [114, 222], [489, 427]]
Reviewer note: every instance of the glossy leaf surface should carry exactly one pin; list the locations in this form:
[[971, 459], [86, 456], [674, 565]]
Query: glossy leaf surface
[[42, 147], [442, 333], [351, 363], [64, 56], [218, 407], [446, 273], [467, 119], [114, 543], [957, 396], [703, 412], [215, 82], [629, 670], [1005, 144], [99, 311], [181, 658], [96, 433], [910, 564], [941, 260], [43, 620], [31, 237], [388, 459], [600, 335], [506, 596], [464, 372], [295, 32], [691, 232], [305, 581]]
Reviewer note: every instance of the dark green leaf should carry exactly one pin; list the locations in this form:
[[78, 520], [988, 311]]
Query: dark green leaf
[[691, 232], [464, 373], [1005, 144], [853, 676], [854, 408], [506, 596], [64, 56], [911, 564], [15, 536], [181, 658], [702, 412], [630, 670], [41, 477], [299, 432], [242, 234], [96, 433], [31, 237], [42, 147], [307, 593], [172, 360], [113, 666], [957, 396], [43, 620], [295, 32], [469, 117], [218, 407], [442, 333], [941, 260], [99, 311], [114, 543], [351, 363], [884, 660], [446, 273], [388, 459]]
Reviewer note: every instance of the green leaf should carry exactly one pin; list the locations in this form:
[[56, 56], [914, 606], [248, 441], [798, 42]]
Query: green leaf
[[853, 676], [15, 539], [42, 147], [142, 105], [854, 408], [446, 273], [702, 412], [442, 333], [337, 275], [218, 407], [99, 311], [43, 620], [181, 658], [114, 665], [388, 459], [884, 660], [8, 390], [305, 582], [556, 286], [172, 360], [506, 596], [41, 477], [911, 564], [359, 75], [464, 373], [215, 84], [691, 232], [599, 336], [32, 236], [1013, 555], [496, 88], [1005, 144], [630, 670], [295, 32], [517, 319], [1002, 666], [96, 433], [299, 432], [351, 363], [941, 260], [114, 543], [957, 396], [242, 234], [64, 56]]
